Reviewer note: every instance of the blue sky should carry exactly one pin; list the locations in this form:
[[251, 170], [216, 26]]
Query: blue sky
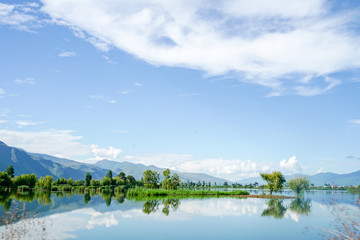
[[229, 89]]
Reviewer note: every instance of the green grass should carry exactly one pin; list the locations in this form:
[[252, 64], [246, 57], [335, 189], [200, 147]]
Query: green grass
[[145, 192]]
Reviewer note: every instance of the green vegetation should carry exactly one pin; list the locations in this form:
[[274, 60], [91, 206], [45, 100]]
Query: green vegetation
[[146, 192], [170, 182], [151, 179], [299, 185], [10, 171], [275, 181]]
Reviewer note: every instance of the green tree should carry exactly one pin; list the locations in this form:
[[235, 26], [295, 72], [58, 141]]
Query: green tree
[[95, 183], [71, 182], [275, 180], [109, 174], [151, 179], [122, 176], [45, 183], [106, 181], [299, 185], [10, 171], [26, 179], [5, 179], [170, 182], [88, 178]]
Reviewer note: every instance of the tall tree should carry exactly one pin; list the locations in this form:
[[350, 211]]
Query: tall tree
[[109, 174], [10, 171], [299, 185], [122, 175], [88, 178], [151, 179], [275, 180]]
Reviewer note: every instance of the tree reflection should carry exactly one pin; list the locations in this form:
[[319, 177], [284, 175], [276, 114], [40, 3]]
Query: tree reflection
[[151, 206], [275, 209], [301, 206], [170, 203]]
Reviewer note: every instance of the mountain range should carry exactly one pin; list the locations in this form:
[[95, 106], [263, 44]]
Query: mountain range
[[319, 179], [42, 164]]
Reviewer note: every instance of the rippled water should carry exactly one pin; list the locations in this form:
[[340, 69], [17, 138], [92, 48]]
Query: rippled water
[[61, 216]]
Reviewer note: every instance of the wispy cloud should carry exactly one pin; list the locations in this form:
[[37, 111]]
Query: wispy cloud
[[2, 121], [355, 122], [137, 84], [20, 16], [67, 54], [109, 60], [102, 98], [29, 81], [62, 143], [23, 123], [273, 45], [2, 92]]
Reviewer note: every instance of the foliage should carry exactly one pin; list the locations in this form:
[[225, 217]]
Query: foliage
[[134, 192], [60, 181], [5, 179], [95, 183], [109, 174], [25, 179], [275, 180], [122, 175], [106, 181], [45, 183], [299, 185], [170, 182], [151, 179], [10, 170], [88, 178]]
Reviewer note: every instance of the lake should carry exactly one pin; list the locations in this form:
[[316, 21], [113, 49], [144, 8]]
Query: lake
[[89, 216]]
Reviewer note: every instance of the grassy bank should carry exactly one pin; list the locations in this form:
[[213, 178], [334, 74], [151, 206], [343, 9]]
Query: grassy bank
[[145, 192]]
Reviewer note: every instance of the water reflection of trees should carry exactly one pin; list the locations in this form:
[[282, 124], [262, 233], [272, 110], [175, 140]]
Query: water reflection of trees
[[152, 206], [277, 209]]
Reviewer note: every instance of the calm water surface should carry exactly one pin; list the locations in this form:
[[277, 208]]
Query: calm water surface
[[71, 216]]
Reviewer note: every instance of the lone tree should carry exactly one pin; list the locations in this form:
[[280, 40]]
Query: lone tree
[[151, 179], [275, 180], [109, 174], [299, 185], [88, 178], [10, 171]]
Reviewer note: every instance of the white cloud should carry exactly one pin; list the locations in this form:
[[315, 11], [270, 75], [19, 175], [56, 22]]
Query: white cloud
[[260, 42], [67, 54], [228, 169], [62, 143], [2, 121], [20, 16], [320, 170], [2, 92], [137, 84], [102, 153], [29, 81], [23, 123], [290, 166]]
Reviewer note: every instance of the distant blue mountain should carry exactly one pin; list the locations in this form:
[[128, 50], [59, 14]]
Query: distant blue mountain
[[319, 179]]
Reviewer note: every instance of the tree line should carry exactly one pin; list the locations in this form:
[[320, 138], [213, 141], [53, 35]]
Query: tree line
[[151, 179]]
